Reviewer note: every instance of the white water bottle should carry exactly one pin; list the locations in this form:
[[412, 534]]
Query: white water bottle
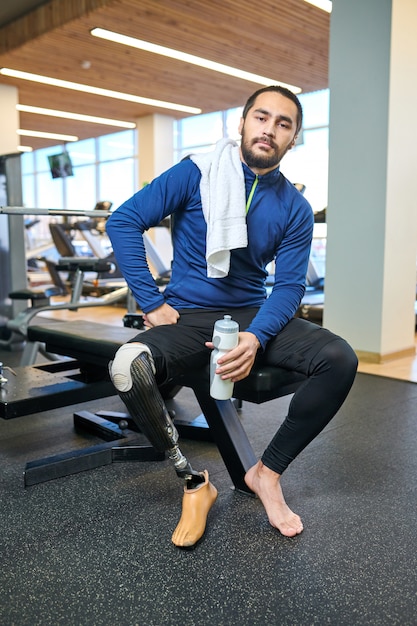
[[225, 337]]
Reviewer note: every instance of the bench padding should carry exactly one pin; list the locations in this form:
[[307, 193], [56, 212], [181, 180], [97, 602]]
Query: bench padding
[[95, 343], [89, 342]]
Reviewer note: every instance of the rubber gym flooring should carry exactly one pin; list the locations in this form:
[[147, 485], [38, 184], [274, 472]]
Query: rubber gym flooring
[[94, 548]]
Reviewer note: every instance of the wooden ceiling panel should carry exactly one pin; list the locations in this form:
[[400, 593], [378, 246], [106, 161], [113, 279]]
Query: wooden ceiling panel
[[284, 40]]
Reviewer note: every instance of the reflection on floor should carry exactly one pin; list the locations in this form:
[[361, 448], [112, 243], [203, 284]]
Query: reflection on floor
[[401, 369]]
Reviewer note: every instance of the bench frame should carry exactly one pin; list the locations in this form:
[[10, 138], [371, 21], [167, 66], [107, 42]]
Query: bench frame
[[219, 421]]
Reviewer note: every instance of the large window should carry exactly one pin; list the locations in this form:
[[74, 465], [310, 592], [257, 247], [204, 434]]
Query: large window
[[201, 132], [103, 169], [306, 163]]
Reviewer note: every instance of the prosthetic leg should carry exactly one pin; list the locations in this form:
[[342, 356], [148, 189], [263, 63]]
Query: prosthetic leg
[[133, 375]]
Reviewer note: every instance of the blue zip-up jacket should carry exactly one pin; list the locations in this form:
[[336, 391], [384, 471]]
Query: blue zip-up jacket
[[280, 226]]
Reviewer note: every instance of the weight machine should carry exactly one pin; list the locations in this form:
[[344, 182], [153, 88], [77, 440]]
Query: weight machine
[[19, 317]]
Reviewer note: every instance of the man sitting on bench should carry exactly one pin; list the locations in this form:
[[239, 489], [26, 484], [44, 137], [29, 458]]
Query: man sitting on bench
[[233, 212]]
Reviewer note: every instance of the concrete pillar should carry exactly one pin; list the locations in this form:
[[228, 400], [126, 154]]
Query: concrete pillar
[[370, 286], [156, 146], [13, 274], [156, 150], [9, 119]]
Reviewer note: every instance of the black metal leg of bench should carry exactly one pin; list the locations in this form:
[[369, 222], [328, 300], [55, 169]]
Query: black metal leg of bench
[[229, 436], [219, 423], [196, 429], [121, 445]]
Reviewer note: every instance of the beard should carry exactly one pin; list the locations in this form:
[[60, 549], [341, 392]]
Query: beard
[[260, 160]]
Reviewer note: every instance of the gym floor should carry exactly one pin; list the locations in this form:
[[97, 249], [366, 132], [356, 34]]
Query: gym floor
[[95, 547]]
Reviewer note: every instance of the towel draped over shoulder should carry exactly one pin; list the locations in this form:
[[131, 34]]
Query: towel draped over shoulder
[[223, 199]]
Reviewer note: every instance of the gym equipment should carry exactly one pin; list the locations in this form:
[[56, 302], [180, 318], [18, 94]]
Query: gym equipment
[[40, 302], [96, 344], [108, 280], [40, 299]]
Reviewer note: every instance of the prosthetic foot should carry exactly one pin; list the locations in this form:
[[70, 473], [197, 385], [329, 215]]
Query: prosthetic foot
[[196, 504], [133, 375]]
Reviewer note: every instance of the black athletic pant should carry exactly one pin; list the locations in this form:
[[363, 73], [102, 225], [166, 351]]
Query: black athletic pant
[[326, 359]]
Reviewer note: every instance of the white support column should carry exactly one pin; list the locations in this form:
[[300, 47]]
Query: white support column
[[372, 215], [156, 155], [9, 119], [13, 274], [156, 146]]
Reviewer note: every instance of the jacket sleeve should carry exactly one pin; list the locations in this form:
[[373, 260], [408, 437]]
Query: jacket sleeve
[[291, 264], [147, 208]]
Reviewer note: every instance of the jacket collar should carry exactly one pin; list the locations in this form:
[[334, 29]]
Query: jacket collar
[[271, 177]]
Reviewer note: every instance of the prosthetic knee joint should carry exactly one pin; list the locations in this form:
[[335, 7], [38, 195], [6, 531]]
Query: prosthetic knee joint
[[133, 375]]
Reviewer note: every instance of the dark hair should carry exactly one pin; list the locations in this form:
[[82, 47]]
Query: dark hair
[[284, 92]]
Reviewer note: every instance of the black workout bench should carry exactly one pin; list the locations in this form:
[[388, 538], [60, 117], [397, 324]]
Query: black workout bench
[[94, 344]]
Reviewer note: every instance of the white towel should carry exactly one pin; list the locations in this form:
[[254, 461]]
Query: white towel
[[223, 199]]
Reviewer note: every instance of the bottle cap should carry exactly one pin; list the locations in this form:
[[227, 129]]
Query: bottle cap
[[226, 325]]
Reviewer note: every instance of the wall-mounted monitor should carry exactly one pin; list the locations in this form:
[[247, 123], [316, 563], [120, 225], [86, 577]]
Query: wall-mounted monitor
[[60, 165]]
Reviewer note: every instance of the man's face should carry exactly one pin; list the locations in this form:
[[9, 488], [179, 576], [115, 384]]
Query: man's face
[[268, 131]]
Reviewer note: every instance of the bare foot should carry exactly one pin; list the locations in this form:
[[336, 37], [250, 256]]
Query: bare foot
[[265, 483]]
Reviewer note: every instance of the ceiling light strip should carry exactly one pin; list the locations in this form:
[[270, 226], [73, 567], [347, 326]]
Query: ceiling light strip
[[188, 58], [108, 93], [325, 5], [42, 135], [74, 116]]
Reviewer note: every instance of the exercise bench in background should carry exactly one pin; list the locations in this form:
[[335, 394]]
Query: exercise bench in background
[[41, 300], [95, 344]]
